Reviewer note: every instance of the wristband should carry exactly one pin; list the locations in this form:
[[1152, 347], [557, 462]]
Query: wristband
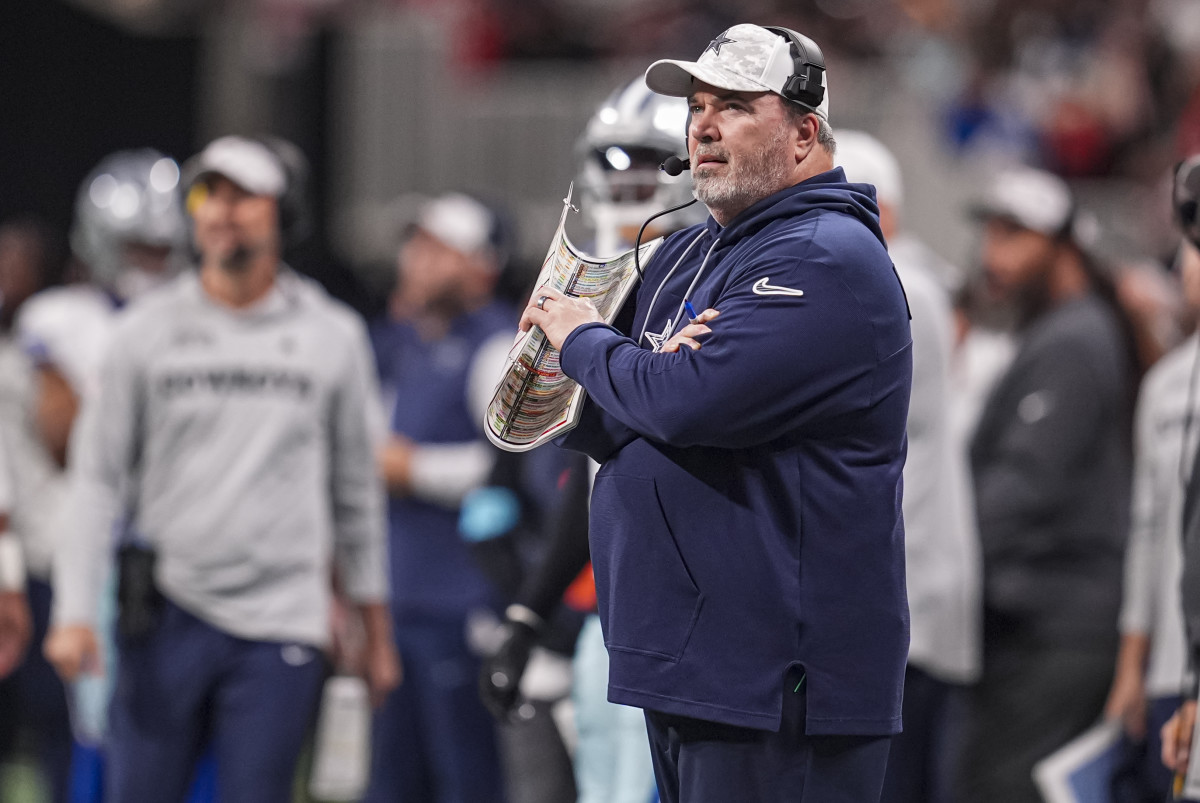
[[12, 563], [519, 613]]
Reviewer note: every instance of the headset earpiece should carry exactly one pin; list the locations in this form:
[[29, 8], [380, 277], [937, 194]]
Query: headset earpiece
[[808, 68], [1186, 197], [295, 217]]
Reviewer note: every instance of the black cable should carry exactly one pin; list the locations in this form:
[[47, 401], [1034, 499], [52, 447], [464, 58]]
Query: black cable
[[637, 243]]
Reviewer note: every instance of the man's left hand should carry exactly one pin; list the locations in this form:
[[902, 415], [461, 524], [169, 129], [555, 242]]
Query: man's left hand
[[688, 334], [559, 314]]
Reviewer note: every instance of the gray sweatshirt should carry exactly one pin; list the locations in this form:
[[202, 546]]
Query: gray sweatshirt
[[240, 444], [1166, 413]]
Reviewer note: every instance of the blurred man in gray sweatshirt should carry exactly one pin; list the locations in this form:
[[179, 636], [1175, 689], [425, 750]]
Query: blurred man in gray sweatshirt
[[229, 453]]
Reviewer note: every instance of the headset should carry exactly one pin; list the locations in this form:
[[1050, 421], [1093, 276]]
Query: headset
[[804, 87], [295, 209], [1186, 197], [808, 68]]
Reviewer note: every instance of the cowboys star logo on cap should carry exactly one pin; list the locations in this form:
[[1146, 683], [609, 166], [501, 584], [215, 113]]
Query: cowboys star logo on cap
[[715, 45]]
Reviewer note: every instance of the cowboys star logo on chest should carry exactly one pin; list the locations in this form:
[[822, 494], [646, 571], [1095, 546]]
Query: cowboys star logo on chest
[[658, 338]]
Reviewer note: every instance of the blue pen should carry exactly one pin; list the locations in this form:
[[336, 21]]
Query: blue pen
[[691, 311]]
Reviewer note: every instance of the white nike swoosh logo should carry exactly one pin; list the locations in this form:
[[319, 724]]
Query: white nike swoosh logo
[[763, 289]]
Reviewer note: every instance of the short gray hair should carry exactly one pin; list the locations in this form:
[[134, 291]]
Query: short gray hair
[[824, 132]]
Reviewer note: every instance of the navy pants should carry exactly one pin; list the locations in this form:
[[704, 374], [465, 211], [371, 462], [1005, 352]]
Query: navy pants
[[188, 684], [705, 762], [433, 741]]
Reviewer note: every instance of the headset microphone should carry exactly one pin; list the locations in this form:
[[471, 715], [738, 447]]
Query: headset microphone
[[673, 165]]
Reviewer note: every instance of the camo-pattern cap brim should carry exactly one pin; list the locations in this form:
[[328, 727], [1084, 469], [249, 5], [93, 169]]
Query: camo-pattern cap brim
[[744, 58]]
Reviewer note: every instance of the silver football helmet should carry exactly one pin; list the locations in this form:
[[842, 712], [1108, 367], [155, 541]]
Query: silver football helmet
[[131, 198], [620, 182]]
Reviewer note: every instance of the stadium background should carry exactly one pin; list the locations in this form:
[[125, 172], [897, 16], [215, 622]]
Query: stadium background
[[393, 98]]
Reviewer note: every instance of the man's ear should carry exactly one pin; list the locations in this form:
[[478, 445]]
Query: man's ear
[[806, 128]]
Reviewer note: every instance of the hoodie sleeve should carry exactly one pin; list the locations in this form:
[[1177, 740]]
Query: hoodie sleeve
[[1143, 555], [356, 430], [104, 451], [793, 344], [598, 434]]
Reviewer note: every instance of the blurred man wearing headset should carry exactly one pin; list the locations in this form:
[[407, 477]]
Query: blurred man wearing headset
[[234, 435]]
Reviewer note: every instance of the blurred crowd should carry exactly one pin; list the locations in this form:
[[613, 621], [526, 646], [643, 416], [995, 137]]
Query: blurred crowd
[[1052, 431]]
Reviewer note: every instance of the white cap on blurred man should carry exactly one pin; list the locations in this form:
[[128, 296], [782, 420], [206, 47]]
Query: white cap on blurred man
[[1029, 198], [866, 160], [246, 162], [459, 221]]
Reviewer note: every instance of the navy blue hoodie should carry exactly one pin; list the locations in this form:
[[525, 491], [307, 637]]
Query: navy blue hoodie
[[746, 517]]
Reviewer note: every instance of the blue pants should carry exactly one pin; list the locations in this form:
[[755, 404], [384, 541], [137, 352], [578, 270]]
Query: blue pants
[[705, 762], [188, 684], [433, 740]]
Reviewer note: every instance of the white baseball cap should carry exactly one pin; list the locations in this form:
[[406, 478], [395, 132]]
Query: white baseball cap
[[866, 160], [246, 162], [1032, 199], [744, 58], [459, 221]]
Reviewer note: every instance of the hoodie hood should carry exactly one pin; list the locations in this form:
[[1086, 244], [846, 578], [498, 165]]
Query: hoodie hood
[[828, 191]]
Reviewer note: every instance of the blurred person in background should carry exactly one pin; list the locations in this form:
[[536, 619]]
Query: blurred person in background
[[1051, 463], [514, 525], [1151, 669], [940, 543], [621, 186], [1177, 734], [439, 353], [128, 235], [32, 702], [230, 452]]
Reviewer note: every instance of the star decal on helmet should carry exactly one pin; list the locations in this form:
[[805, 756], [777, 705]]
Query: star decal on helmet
[[715, 45]]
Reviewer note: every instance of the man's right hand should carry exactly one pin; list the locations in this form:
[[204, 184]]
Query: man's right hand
[[73, 650], [1177, 738]]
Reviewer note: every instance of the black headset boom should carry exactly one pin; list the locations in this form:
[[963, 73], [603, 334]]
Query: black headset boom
[[808, 67]]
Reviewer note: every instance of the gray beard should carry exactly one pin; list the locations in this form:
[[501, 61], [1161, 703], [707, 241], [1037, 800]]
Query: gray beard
[[747, 180]]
